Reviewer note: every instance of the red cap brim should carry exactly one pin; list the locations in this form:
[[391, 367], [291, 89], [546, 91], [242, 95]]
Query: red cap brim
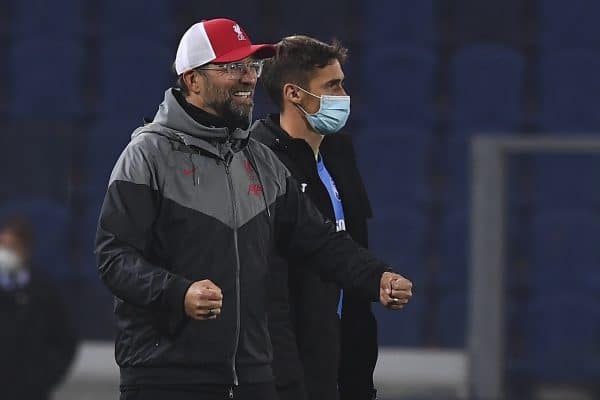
[[259, 51]]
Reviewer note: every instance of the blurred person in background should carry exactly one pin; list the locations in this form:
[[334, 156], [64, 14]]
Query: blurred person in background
[[193, 210], [37, 340], [306, 81]]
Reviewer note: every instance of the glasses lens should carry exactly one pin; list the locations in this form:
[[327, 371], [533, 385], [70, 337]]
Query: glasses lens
[[235, 69], [258, 67], [238, 69]]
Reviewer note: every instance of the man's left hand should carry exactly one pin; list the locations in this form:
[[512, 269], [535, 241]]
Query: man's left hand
[[394, 290]]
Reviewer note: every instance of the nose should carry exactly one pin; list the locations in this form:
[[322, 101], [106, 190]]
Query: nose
[[249, 76]]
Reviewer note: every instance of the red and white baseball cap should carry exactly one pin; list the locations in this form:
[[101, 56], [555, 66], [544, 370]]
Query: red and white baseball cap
[[216, 40]]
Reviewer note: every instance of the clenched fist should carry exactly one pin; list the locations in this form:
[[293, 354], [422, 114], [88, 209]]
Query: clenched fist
[[203, 300], [394, 291]]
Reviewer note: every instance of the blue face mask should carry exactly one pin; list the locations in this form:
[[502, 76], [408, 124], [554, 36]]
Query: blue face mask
[[332, 115]]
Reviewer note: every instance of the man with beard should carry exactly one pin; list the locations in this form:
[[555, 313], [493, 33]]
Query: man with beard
[[192, 213], [306, 81]]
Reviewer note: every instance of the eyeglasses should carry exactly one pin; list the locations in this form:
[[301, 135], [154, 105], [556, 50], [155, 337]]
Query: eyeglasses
[[236, 70]]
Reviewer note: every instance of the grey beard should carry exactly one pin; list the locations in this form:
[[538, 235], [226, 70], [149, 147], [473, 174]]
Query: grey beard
[[222, 102], [237, 118]]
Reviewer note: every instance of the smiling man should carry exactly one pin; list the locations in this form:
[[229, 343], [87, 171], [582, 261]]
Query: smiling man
[[227, 88], [193, 209]]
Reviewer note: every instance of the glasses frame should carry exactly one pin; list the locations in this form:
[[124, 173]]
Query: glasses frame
[[237, 69]]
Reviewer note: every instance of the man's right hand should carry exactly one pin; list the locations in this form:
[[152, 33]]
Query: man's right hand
[[395, 290], [203, 300]]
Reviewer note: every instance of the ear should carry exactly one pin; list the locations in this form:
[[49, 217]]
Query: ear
[[193, 81], [291, 93]]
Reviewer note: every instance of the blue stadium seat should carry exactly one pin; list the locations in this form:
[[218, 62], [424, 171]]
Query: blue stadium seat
[[64, 18], [405, 21], [51, 223], [561, 337], [563, 181], [397, 236], [453, 271], [36, 159], [564, 246], [249, 14], [569, 92], [5, 82], [394, 168], [6, 18], [398, 84], [477, 21], [451, 320], [292, 20], [405, 328], [104, 143], [456, 162], [563, 26], [46, 78], [133, 75], [140, 19], [486, 85]]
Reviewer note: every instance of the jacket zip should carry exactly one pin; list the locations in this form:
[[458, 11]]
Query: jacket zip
[[237, 271]]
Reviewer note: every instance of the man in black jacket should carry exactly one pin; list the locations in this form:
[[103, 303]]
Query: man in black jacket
[[37, 339], [305, 80], [193, 209]]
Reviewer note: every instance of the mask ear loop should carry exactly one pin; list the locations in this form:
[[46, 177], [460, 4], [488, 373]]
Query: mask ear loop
[[315, 96], [306, 91], [302, 109]]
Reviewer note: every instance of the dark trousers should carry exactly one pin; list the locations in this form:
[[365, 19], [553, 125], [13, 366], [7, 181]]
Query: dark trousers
[[292, 391], [257, 391]]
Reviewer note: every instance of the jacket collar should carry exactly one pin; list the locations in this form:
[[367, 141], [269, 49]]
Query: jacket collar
[[281, 139], [270, 132], [173, 121]]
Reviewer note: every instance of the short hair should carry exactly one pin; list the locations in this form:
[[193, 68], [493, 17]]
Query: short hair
[[180, 83], [295, 61]]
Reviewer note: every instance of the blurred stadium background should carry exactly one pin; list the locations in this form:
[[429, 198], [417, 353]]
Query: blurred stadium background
[[425, 77]]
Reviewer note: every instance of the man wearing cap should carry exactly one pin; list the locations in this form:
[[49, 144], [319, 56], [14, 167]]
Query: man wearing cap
[[193, 210], [306, 81]]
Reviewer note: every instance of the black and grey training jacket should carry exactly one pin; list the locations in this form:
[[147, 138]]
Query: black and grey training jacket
[[185, 203]]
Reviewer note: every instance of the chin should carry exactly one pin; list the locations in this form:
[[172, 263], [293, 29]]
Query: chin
[[242, 119]]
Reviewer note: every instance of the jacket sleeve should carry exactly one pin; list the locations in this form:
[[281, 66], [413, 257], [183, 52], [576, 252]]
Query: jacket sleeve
[[124, 238], [287, 367], [301, 231]]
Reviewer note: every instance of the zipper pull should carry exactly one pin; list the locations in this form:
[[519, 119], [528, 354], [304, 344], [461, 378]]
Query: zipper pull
[[231, 393]]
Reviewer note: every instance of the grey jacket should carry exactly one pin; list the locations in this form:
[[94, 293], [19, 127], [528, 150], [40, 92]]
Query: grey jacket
[[185, 203]]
